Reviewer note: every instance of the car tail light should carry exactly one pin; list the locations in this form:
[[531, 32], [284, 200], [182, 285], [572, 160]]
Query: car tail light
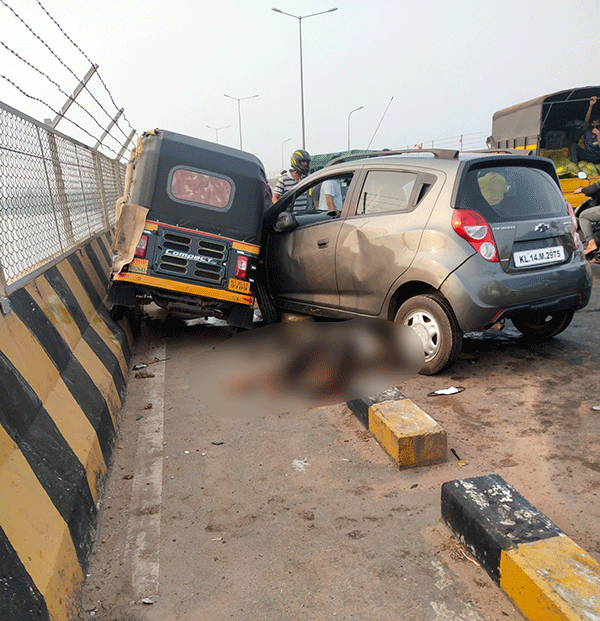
[[472, 226], [142, 246], [574, 223], [242, 267]]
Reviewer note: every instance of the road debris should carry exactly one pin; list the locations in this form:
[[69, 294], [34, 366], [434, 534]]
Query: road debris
[[451, 390], [460, 461], [143, 375], [137, 367], [300, 464]]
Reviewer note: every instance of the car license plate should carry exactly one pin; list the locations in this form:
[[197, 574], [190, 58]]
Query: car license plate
[[239, 285], [528, 258]]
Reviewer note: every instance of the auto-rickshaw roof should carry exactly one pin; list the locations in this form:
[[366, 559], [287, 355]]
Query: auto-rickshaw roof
[[163, 153], [526, 119]]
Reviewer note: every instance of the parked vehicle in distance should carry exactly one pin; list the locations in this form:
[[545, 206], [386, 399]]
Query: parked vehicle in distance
[[442, 241], [547, 125], [189, 228]]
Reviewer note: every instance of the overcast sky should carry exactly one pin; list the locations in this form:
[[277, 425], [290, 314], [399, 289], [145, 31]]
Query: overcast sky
[[448, 65]]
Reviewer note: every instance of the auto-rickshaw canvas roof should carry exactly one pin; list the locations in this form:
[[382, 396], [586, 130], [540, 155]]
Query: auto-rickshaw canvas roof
[[527, 119], [174, 174]]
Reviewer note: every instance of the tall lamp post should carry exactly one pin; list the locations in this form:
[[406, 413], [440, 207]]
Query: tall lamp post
[[283, 144], [351, 111], [300, 18], [239, 99], [217, 131]]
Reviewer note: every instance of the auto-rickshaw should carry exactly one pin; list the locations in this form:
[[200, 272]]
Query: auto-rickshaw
[[188, 229], [547, 126]]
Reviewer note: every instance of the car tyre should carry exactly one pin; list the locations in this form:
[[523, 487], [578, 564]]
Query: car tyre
[[436, 326], [542, 326], [269, 312]]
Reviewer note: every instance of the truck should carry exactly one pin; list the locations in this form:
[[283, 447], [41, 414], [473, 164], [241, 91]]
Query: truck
[[547, 126]]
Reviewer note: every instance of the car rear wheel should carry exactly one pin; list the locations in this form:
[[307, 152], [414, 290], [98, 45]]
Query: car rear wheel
[[541, 326], [433, 321]]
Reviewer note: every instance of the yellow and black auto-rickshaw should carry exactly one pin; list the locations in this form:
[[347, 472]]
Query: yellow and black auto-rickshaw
[[188, 229], [549, 125]]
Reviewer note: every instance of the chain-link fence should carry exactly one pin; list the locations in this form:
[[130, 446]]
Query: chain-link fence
[[55, 193]]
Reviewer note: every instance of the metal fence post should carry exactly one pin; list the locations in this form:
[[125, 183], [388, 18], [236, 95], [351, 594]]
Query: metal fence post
[[4, 301], [62, 193], [100, 182]]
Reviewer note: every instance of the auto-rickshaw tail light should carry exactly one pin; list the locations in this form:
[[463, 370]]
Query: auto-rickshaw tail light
[[142, 246], [241, 268], [473, 227], [574, 223]]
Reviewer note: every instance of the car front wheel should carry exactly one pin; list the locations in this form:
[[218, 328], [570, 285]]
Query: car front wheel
[[541, 326], [436, 326]]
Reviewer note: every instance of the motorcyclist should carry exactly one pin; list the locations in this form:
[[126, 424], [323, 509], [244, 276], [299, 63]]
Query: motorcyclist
[[299, 161], [589, 215]]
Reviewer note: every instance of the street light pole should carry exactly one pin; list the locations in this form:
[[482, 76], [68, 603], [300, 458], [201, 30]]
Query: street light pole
[[217, 131], [300, 18], [239, 99], [283, 144], [355, 110]]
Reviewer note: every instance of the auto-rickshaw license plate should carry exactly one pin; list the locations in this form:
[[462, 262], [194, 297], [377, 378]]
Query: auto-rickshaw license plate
[[239, 285]]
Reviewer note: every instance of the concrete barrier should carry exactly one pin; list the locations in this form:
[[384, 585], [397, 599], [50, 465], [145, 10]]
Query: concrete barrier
[[410, 436], [546, 574], [63, 372]]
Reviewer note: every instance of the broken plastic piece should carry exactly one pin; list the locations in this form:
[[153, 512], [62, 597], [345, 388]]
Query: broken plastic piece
[[452, 390], [460, 461]]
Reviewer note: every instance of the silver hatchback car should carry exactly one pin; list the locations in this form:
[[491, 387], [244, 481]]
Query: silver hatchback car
[[442, 241]]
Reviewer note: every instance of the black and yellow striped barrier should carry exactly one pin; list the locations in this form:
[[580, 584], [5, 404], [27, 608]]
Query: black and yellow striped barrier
[[63, 371], [547, 575], [410, 436]]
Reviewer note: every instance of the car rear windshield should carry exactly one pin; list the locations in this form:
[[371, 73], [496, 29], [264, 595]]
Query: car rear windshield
[[505, 193]]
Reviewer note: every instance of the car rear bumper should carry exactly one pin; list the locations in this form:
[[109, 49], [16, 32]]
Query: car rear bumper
[[480, 294]]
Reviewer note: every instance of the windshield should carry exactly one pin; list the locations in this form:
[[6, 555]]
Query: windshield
[[504, 193]]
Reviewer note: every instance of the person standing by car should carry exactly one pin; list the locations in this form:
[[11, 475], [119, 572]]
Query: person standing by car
[[331, 195], [591, 214], [300, 161], [590, 152]]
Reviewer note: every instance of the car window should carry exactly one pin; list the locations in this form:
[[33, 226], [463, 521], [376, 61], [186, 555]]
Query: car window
[[502, 193], [385, 191], [320, 196]]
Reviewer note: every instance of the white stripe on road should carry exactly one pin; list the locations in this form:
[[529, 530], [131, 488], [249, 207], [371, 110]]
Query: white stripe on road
[[142, 548]]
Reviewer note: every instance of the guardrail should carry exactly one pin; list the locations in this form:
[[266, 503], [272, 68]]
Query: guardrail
[[55, 194]]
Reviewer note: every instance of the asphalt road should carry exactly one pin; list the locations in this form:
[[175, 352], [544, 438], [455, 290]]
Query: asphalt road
[[301, 515]]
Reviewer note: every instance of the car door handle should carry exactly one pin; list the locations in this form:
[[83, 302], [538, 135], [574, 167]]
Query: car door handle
[[323, 243]]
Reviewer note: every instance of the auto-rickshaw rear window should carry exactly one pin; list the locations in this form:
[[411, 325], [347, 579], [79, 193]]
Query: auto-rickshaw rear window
[[200, 187], [504, 193]]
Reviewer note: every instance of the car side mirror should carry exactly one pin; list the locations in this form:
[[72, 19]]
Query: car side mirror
[[582, 175], [285, 222]]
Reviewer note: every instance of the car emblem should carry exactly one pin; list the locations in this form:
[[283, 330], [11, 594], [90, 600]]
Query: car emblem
[[541, 227]]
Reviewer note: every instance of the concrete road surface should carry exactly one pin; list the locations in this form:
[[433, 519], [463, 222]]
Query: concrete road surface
[[302, 515]]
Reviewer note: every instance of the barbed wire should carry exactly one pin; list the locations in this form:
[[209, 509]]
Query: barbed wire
[[55, 84], [89, 60], [5, 4], [53, 110]]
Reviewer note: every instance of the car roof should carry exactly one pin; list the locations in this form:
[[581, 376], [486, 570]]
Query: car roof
[[445, 159]]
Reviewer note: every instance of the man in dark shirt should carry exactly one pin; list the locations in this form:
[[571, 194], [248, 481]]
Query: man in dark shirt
[[590, 151], [591, 214]]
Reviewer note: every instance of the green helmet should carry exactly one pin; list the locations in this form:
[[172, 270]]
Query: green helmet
[[300, 162]]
